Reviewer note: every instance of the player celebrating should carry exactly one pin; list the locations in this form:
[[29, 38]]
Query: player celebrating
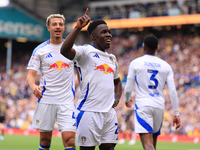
[[101, 87], [56, 90], [150, 74]]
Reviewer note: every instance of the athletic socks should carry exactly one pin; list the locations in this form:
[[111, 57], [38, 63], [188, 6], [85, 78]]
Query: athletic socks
[[70, 148], [65, 148], [43, 147]]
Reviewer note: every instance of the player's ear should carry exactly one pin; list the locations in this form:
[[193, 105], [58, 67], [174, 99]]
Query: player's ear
[[93, 37], [48, 28], [144, 48]]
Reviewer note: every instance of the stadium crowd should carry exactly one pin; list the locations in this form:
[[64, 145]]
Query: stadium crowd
[[141, 10], [181, 51]]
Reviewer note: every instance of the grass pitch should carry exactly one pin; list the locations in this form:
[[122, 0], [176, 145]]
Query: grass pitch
[[21, 142]]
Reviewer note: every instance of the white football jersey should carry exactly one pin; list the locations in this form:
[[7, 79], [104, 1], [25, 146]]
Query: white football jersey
[[57, 74], [150, 74], [97, 71]]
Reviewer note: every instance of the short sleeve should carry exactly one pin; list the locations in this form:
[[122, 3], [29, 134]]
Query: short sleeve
[[116, 74], [80, 52], [34, 62]]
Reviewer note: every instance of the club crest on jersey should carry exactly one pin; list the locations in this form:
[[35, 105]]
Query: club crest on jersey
[[111, 59], [37, 122], [83, 138]]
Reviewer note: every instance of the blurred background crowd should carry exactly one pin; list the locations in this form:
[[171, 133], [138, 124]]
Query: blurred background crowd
[[178, 45], [181, 51], [129, 9]]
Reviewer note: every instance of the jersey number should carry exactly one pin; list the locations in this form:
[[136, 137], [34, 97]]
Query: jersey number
[[116, 131], [154, 73]]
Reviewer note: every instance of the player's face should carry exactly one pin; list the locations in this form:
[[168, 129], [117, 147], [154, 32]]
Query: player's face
[[56, 27], [103, 37]]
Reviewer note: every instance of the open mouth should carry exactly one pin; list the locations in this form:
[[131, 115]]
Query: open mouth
[[57, 32], [108, 41]]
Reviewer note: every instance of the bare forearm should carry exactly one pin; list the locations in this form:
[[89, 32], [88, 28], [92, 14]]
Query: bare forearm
[[118, 91], [118, 88], [66, 49], [31, 82], [31, 78]]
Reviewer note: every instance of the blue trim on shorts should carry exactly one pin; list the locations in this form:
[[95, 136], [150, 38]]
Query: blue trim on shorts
[[79, 118], [143, 123], [158, 133], [83, 101]]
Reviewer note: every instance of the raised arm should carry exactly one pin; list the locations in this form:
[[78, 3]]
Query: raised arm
[[118, 91], [66, 49]]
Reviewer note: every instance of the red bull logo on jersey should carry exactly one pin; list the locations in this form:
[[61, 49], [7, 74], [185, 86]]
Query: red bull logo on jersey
[[59, 65], [105, 68]]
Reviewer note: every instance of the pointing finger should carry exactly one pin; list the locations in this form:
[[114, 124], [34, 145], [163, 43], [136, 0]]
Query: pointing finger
[[86, 12]]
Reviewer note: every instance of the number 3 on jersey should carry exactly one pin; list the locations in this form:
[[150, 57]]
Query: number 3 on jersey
[[154, 73]]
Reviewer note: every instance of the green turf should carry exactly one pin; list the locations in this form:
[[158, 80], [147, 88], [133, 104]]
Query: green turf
[[16, 142]]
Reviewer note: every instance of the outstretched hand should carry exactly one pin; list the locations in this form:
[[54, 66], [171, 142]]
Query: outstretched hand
[[84, 20]]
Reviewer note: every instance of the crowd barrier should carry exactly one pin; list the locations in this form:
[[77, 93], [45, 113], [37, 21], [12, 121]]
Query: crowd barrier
[[168, 138], [57, 133]]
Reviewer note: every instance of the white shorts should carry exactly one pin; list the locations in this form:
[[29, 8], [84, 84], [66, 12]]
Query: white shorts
[[95, 128], [46, 114], [148, 120]]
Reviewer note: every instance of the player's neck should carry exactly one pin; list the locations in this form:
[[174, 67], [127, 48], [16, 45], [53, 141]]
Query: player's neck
[[148, 53], [56, 41]]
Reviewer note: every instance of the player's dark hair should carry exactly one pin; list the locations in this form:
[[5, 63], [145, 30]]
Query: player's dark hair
[[94, 24], [151, 42]]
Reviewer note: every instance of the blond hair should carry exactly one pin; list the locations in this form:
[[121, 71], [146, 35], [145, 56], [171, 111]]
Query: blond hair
[[54, 16]]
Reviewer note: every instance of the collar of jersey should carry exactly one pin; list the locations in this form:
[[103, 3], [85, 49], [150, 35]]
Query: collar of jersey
[[149, 54], [100, 50], [54, 44]]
